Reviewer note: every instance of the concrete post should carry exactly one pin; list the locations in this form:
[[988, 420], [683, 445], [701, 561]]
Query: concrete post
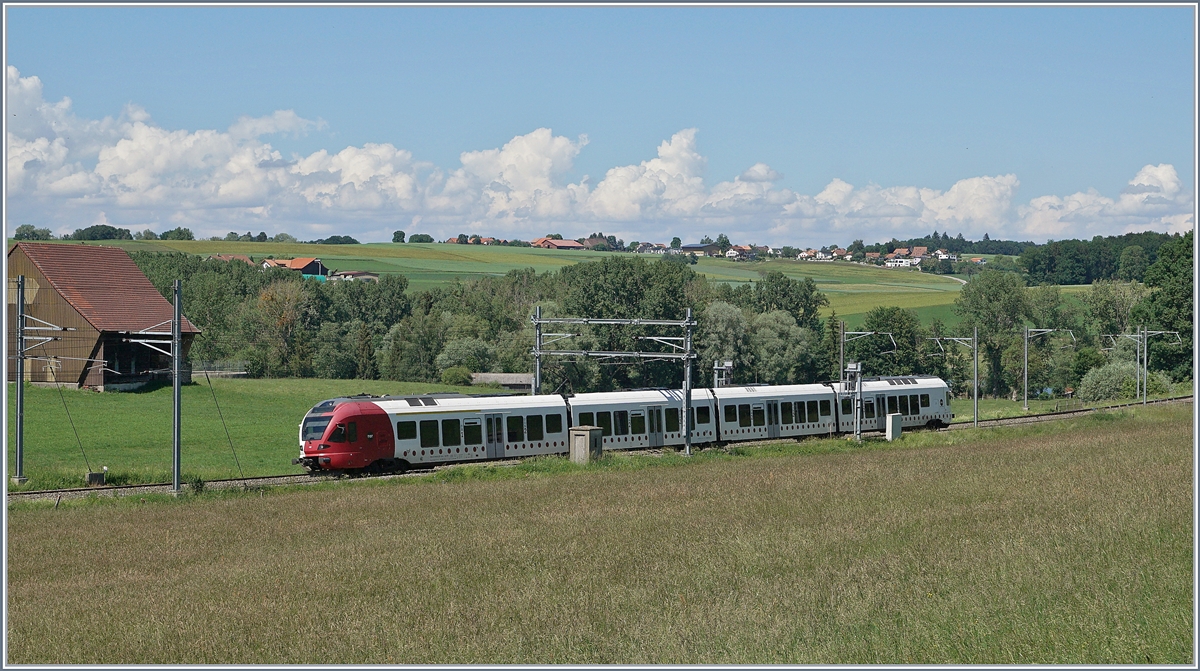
[[586, 444]]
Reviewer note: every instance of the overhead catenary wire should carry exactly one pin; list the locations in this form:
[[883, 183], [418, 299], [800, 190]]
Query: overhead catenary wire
[[226, 427], [68, 411]]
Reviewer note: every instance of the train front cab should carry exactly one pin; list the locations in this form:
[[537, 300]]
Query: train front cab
[[356, 435]]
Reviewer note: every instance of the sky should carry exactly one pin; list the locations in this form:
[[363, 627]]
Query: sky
[[799, 126]]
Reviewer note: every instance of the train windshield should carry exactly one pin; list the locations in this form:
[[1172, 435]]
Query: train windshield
[[314, 426]]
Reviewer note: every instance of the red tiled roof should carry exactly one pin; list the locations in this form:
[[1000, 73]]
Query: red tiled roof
[[298, 264], [232, 257], [104, 285]]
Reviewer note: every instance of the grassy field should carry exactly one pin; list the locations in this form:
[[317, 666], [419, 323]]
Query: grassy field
[[852, 289], [1060, 543], [130, 433]]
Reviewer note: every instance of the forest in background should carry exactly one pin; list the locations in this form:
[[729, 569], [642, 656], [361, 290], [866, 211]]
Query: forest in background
[[282, 325]]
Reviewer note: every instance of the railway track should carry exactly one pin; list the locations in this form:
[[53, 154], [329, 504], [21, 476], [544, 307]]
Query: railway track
[[307, 479]]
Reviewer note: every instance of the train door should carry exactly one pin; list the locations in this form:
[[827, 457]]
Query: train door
[[495, 435], [881, 411], [654, 420], [772, 419]]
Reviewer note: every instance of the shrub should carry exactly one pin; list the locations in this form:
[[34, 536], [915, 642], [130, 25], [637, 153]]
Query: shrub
[[459, 375], [1111, 381], [1118, 380]]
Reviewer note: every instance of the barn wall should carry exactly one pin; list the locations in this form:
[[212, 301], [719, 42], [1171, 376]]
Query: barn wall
[[49, 305]]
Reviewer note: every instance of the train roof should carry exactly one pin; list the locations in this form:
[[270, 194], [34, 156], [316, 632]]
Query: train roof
[[760, 391], [665, 396], [427, 404], [898, 383]]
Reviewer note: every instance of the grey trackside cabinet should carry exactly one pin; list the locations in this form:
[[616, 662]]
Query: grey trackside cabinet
[[893, 425], [586, 444]]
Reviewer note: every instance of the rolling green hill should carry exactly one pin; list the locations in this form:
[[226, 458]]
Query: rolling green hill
[[852, 289]]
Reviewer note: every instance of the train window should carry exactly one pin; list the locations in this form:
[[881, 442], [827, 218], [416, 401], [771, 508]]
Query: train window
[[637, 423], [554, 423], [786, 410], [760, 417], [744, 414], [914, 405], [847, 406], [621, 422], [352, 432], [472, 432], [704, 414], [924, 400], [450, 433], [534, 424], [604, 420], [869, 409], [587, 419], [672, 420], [731, 413], [692, 419], [339, 434], [406, 430], [314, 427], [892, 407], [812, 412], [826, 408], [903, 405], [800, 412], [516, 429], [429, 433]]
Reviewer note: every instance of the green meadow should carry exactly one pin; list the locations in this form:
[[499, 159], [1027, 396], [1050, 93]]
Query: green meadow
[[852, 289]]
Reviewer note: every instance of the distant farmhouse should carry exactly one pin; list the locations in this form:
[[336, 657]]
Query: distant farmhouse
[[308, 267], [101, 294], [551, 243]]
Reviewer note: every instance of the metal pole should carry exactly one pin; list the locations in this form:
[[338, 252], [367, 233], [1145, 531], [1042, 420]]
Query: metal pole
[[1146, 367], [842, 351], [1026, 385], [537, 350], [176, 359], [687, 385], [19, 476], [975, 351]]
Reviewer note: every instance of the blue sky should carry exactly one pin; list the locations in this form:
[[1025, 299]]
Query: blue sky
[[786, 124]]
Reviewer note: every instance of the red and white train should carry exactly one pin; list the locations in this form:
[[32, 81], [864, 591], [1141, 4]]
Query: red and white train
[[392, 433]]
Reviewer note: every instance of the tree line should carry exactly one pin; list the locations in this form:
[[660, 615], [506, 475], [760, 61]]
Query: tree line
[[284, 325]]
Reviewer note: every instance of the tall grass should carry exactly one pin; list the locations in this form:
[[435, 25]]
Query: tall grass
[[1047, 544]]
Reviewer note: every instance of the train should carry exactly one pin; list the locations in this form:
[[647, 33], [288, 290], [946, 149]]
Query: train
[[378, 434]]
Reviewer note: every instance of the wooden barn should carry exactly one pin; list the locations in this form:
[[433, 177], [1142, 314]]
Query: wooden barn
[[102, 294]]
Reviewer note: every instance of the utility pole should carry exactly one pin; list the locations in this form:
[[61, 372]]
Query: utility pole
[[537, 348], [687, 383], [975, 350], [842, 351], [19, 477], [176, 360]]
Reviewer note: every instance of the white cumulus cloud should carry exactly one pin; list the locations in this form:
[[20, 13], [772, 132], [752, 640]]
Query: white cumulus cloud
[[65, 171]]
